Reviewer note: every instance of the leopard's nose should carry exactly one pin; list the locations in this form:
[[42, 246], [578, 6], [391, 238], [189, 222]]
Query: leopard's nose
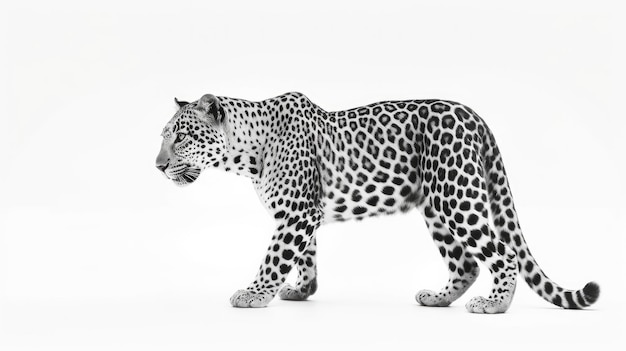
[[162, 168]]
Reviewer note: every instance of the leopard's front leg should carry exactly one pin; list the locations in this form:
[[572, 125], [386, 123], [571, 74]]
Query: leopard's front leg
[[291, 239]]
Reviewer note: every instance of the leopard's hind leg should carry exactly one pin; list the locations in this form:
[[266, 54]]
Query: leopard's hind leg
[[468, 220], [462, 267], [306, 283]]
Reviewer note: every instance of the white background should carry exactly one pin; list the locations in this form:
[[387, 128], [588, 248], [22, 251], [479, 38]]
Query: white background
[[98, 251]]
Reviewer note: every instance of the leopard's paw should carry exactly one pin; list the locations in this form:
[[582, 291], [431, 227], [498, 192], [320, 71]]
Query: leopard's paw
[[247, 298], [480, 304], [431, 299], [288, 292]]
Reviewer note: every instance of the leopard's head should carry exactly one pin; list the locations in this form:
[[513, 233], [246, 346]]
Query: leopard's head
[[192, 140]]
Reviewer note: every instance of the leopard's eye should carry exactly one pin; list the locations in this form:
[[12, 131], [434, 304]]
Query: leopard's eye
[[180, 137]]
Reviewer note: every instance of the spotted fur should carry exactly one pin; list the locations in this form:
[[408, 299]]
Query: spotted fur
[[311, 167]]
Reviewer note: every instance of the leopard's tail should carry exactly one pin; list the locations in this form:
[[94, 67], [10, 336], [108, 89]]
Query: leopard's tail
[[509, 231]]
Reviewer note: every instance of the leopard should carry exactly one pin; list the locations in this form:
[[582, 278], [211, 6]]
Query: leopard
[[311, 167]]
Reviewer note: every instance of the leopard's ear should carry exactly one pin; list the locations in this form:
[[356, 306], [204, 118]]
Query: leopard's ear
[[211, 106], [181, 104]]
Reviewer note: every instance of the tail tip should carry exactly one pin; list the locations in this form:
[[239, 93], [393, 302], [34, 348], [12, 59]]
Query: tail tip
[[591, 292]]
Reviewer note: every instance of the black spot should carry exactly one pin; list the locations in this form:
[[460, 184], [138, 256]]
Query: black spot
[[298, 239], [439, 107], [428, 212], [359, 210], [372, 201], [390, 108], [287, 254], [446, 138], [288, 238], [458, 218], [405, 190], [388, 190], [284, 269], [472, 219], [390, 152], [470, 125], [476, 234], [501, 248], [548, 288], [384, 119], [537, 279], [452, 173], [341, 208], [471, 242], [529, 267], [462, 114], [447, 122], [456, 252]]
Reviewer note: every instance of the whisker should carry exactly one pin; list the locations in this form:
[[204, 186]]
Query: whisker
[[179, 170]]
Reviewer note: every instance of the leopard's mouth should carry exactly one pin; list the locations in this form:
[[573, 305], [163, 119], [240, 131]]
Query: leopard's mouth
[[183, 174]]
